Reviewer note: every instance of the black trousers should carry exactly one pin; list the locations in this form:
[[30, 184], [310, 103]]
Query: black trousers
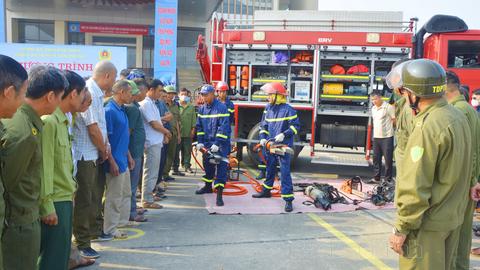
[[383, 147]]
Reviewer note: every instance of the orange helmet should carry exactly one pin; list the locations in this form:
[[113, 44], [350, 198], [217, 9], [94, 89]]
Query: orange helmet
[[221, 86], [274, 88], [337, 70]]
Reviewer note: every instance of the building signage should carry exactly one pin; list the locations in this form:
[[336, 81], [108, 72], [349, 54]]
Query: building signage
[[165, 55], [102, 28], [81, 59]]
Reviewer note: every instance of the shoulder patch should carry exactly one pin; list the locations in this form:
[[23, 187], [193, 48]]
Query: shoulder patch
[[416, 153]]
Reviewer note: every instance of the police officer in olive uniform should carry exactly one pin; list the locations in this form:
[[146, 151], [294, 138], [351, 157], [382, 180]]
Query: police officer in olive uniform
[[175, 129], [21, 147], [433, 177], [12, 91], [454, 96]]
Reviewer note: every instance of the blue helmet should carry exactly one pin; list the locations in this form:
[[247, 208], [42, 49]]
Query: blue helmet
[[136, 73], [207, 88]]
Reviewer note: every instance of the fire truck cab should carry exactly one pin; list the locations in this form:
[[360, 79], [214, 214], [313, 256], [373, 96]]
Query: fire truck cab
[[329, 73]]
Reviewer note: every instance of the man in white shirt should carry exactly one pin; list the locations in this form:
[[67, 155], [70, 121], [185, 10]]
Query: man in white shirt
[[155, 136], [383, 115]]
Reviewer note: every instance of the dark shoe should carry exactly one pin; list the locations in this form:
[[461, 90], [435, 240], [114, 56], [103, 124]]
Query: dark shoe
[[179, 173], [261, 175], [205, 189], [104, 237], [88, 253], [160, 195], [168, 179], [288, 206], [220, 197], [264, 194], [189, 170], [372, 181], [139, 218], [160, 190]]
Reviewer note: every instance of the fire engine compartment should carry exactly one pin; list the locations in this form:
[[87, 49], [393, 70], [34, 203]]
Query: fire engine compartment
[[332, 81]]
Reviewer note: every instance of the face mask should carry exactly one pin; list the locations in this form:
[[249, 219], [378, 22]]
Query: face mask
[[184, 98], [475, 102]]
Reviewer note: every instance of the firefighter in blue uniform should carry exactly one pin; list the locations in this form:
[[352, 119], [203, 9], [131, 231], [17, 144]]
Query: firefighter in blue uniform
[[279, 124], [213, 133], [222, 96]]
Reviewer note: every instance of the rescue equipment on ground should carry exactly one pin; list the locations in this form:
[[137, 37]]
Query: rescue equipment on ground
[[324, 195], [353, 186], [303, 57]]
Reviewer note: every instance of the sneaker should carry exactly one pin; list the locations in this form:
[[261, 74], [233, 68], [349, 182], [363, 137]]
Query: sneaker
[[188, 170], [168, 179], [103, 238], [88, 253], [120, 235], [179, 173]]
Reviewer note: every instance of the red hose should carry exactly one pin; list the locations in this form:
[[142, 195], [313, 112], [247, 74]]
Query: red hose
[[240, 190]]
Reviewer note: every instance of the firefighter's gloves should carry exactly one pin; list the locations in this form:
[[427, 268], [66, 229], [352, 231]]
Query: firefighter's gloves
[[214, 148], [263, 142], [199, 146], [280, 137]]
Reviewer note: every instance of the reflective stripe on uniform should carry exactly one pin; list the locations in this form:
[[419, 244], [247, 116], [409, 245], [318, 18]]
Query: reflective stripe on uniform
[[294, 129], [262, 166], [265, 111], [231, 110], [264, 131], [219, 185], [287, 195], [222, 136], [267, 187], [200, 133], [281, 119], [207, 180], [213, 115]]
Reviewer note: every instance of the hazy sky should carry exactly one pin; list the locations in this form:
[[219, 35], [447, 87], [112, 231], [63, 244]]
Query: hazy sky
[[468, 10]]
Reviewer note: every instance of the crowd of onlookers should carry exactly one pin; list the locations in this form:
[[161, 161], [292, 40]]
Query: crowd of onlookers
[[76, 154]]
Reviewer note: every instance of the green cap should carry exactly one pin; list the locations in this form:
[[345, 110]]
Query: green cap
[[135, 91], [170, 89]]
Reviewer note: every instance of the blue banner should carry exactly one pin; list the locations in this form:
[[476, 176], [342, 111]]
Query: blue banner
[[81, 59], [165, 55], [2, 21]]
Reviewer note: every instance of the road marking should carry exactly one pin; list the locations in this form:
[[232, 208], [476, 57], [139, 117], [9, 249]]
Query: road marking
[[122, 266], [137, 234], [143, 251], [349, 242]]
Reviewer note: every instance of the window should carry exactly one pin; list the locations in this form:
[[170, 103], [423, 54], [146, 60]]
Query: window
[[76, 38], [42, 32], [464, 54], [148, 42]]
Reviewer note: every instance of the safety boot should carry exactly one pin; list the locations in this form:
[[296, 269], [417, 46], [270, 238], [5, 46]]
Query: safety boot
[[264, 194], [288, 206], [220, 196], [205, 189]]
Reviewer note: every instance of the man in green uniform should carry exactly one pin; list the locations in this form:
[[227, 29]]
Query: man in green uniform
[[455, 97], [433, 177], [174, 129], [58, 185], [188, 119], [13, 85], [23, 159]]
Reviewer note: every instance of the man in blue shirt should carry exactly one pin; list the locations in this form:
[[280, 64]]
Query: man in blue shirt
[[118, 191]]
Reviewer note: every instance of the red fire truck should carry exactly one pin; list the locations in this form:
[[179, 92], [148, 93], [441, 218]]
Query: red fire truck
[[329, 75]]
